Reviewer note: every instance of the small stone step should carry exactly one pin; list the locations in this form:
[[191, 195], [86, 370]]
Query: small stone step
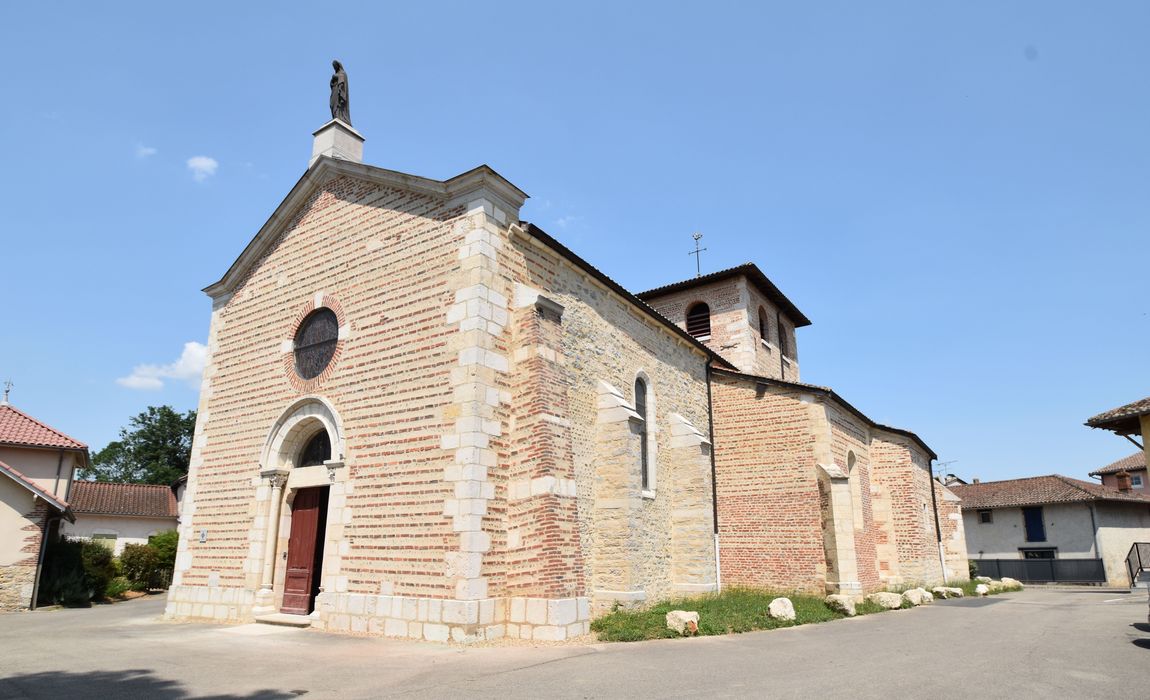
[[285, 620]]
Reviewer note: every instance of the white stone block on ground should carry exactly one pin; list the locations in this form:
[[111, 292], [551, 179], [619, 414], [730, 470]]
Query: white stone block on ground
[[918, 596], [982, 589], [1011, 582], [781, 609], [841, 603], [683, 622], [886, 599]]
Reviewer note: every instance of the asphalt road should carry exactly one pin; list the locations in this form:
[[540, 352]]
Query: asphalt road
[[1038, 643]]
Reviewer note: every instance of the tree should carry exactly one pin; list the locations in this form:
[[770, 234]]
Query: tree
[[155, 448]]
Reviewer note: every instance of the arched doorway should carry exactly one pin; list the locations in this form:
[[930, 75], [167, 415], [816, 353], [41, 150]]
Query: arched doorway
[[306, 537]]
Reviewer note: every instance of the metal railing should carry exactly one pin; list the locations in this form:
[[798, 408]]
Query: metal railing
[[1137, 561], [1045, 570]]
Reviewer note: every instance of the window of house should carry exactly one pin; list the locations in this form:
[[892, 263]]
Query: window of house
[[105, 538], [1136, 481], [699, 320], [641, 409], [1035, 528], [783, 350], [315, 342], [1045, 553], [316, 451], [764, 328], [985, 517]]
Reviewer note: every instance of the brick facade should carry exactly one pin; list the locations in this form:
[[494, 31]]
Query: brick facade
[[485, 476], [480, 483]]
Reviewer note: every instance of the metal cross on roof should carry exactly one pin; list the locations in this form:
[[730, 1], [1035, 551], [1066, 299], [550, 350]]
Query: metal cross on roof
[[697, 253], [7, 388]]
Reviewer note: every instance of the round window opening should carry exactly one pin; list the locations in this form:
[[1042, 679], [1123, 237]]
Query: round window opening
[[315, 343]]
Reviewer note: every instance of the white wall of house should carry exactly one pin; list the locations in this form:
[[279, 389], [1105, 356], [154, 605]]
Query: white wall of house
[[1068, 528], [127, 529], [15, 501], [50, 469], [1119, 526]]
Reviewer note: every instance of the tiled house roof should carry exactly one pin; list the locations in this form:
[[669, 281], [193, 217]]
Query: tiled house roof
[[1123, 419], [18, 428], [145, 500], [15, 475], [1038, 490], [1130, 463]]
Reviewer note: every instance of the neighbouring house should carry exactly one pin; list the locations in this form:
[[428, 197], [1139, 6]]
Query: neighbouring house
[[1053, 528], [121, 514], [1128, 472], [1128, 421], [37, 463], [423, 417]]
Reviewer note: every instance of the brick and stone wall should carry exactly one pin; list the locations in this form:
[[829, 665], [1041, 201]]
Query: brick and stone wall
[[479, 483], [770, 516], [735, 330], [24, 519]]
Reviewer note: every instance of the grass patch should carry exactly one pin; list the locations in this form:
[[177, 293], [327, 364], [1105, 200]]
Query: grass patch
[[733, 611]]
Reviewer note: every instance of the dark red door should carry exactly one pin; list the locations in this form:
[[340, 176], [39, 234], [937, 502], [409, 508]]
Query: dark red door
[[305, 550]]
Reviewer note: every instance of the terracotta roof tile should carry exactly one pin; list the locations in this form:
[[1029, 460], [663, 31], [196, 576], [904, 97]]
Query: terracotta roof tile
[[1132, 462], [1122, 419], [1038, 490], [146, 500], [19, 478], [18, 428]]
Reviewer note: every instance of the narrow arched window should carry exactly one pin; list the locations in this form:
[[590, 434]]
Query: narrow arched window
[[316, 451], [764, 327], [782, 338], [699, 320], [641, 409], [850, 462]]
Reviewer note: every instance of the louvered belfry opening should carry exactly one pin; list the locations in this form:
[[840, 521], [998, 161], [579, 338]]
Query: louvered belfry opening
[[699, 320]]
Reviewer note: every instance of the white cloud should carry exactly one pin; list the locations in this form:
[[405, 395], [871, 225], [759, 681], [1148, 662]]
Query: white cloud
[[188, 368], [202, 167], [143, 151], [565, 221]]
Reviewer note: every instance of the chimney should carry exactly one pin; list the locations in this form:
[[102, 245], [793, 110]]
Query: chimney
[[1124, 481], [974, 480]]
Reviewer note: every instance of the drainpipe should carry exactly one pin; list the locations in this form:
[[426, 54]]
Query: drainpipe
[[59, 468], [1094, 530], [714, 480], [937, 527]]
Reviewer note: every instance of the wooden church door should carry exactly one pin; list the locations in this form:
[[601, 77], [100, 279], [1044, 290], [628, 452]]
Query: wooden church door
[[305, 550]]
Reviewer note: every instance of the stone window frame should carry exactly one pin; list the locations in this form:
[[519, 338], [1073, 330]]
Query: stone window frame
[[691, 308], [650, 434], [764, 328], [1136, 481], [319, 300]]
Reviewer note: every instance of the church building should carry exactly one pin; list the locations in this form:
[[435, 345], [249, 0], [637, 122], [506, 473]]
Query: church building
[[424, 417]]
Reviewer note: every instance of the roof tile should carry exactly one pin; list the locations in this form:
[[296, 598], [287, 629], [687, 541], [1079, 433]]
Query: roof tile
[[1132, 462], [19, 428], [103, 498], [1038, 490]]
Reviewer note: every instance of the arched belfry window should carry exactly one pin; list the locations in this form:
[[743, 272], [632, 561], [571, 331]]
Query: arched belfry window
[[782, 338], [644, 449], [315, 342], [316, 451], [699, 320], [850, 462], [764, 326]]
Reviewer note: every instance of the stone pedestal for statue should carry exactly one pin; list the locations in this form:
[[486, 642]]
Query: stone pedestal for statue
[[337, 140]]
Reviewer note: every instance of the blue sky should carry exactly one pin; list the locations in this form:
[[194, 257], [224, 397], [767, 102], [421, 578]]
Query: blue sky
[[955, 193]]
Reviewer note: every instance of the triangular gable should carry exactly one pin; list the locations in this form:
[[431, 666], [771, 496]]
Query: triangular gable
[[15, 475], [325, 168]]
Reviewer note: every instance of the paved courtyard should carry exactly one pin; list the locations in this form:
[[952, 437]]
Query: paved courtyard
[[1038, 643]]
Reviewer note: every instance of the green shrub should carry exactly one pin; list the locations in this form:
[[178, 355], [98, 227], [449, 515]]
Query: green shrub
[[62, 578], [118, 587], [972, 566], [99, 568], [165, 545], [139, 564]]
